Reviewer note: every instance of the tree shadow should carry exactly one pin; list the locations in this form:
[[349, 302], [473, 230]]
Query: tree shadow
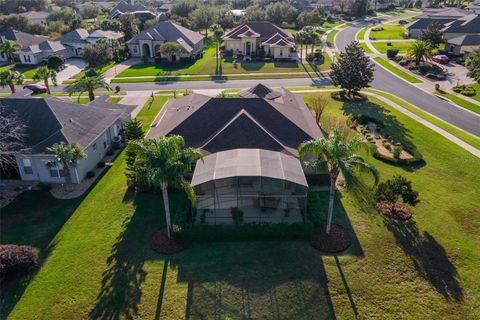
[[428, 256]]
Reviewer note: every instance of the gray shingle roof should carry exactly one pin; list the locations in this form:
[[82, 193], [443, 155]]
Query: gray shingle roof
[[216, 124], [466, 40], [425, 22], [468, 24], [75, 36], [125, 7], [50, 46], [22, 38], [49, 120], [265, 29], [169, 31]]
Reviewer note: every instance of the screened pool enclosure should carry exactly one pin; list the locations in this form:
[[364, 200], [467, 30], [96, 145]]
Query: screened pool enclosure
[[249, 186]]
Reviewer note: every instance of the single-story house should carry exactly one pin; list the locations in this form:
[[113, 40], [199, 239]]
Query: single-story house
[[77, 39], [147, 43], [473, 8], [140, 11], [463, 45], [417, 27], [25, 40], [36, 17], [441, 16], [257, 38], [49, 120], [250, 145], [36, 53], [468, 25]]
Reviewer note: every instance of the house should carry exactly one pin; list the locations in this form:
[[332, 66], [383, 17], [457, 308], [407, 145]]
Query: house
[[147, 43], [37, 53], [473, 8], [49, 120], [468, 25], [250, 165], [140, 11], [77, 39], [36, 17], [441, 16], [25, 40], [417, 27], [463, 45], [260, 38]]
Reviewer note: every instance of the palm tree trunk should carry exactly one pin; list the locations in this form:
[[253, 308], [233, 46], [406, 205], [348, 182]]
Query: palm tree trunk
[[47, 86], [91, 95], [68, 177], [166, 204], [331, 200], [12, 87]]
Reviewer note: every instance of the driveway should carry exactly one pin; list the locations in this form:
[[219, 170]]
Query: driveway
[[112, 72], [73, 66]]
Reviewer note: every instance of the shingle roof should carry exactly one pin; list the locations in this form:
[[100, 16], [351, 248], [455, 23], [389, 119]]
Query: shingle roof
[[125, 7], [466, 40], [425, 22], [50, 46], [259, 91], [169, 31], [216, 124], [22, 38], [468, 24], [75, 36], [264, 29], [50, 120], [36, 14], [442, 13]]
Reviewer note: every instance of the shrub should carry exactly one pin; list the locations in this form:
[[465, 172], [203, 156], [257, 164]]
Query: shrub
[[17, 260], [458, 89], [91, 72], [250, 231], [54, 62], [101, 164], [397, 211], [468, 91], [378, 28], [394, 189], [90, 174], [310, 57], [392, 53], [44, 186], [110, 152], [386, 144], [396, 152]]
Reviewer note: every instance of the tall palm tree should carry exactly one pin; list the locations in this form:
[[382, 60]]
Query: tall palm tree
[[165, 161], [420, 50], [88, 84], [9, 47], [44, 73], [218, 34], [68, 155], [314, 37], [336, 156], [300, 37], [11, 78]]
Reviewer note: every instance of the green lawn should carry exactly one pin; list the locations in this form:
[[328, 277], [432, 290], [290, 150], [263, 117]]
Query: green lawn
[[26, 70], [98, 70], [461, 102], [397, 70], [99, 264], [476, 86], [401, 46], [389, 32], [361, 34], [332, 25], [365, 47], [331, 38]]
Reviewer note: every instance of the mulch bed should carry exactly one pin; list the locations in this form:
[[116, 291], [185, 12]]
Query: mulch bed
[[161, 244], [337, 241], [398, 211]]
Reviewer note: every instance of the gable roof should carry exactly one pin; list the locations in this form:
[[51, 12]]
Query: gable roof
[[277, 40], [442, 13], [169, 31], [50, 120], [468, 24], [259, 91], [49, 46], [264, 29], [125, 7], [466, 40], [22, 38], [425, 22], [75, 36], [216, 124]]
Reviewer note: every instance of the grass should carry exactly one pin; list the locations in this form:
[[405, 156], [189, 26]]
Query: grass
[[361, 34], [331, 38], [98, 70], [100, 265], [402, 74], [365, 48], [401, 46], [332, 25], [475, 86], [27, 70], [459, 101], [389, 32]]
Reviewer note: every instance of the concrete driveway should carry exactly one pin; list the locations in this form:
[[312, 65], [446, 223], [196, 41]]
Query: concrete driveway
[[73, 66], [112, 72]]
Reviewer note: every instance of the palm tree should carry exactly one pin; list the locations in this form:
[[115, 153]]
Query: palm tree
[[45, 73], [420, 50], [314, 38], [336, 156], [9, 47], [300, 37], [68, 155], [88, 84], [165, 161], [218, 34], [11, 78]]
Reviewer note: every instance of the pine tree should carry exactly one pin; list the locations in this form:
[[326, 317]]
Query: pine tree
[[133, 131]]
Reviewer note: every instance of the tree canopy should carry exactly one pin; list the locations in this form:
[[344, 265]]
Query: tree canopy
[[433, 35], [473, 65]]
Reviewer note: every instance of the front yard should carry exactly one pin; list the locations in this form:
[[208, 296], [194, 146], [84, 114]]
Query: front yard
[[402, 46], [99, 264], [26, 70], [389, 32]]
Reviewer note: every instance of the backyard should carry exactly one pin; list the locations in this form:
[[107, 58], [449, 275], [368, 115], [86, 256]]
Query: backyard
[[99, 264]]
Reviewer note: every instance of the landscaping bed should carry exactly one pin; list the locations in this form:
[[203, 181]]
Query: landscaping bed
[[336, 241]]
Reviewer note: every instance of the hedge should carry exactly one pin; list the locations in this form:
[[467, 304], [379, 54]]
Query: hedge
[[250, 231], [17, 260]]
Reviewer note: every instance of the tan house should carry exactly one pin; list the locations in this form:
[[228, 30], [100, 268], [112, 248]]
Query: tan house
[[260, 38], [463, 45]]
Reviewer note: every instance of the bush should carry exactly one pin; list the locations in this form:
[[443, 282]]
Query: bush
[[396, 152], [101, 164], [90, 174], [310, 57], [458, 89], [54, 62], [398, 211], [251, 231], [468, 91], [44, 186], [386, 144], [392, 53], [110, 152], [394, 189], [379, 28], [17, 260]]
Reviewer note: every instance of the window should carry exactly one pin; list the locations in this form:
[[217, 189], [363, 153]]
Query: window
[[135, 49], [56, 171], [105, 141], [3, 55], [25, 58], [94, 146], [281, 52], [27, 166]]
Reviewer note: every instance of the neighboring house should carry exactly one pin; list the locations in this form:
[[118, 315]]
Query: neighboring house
[[50, 120], [468, 25], [36, 53], [140, 11], [25, 40], [417, 27], [441, 16], [77, 39], [147, 43], [473, 8], [463, 45], [257, 38], [36, 17], [250, 146]]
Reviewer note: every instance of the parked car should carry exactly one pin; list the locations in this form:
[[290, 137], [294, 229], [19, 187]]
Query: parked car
[[36, 88], [441, 58]]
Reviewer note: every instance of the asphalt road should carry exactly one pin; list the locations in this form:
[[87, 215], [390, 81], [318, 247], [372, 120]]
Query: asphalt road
[[386, 81]]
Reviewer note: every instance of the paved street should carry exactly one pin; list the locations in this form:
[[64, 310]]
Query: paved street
[[386, 81]]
